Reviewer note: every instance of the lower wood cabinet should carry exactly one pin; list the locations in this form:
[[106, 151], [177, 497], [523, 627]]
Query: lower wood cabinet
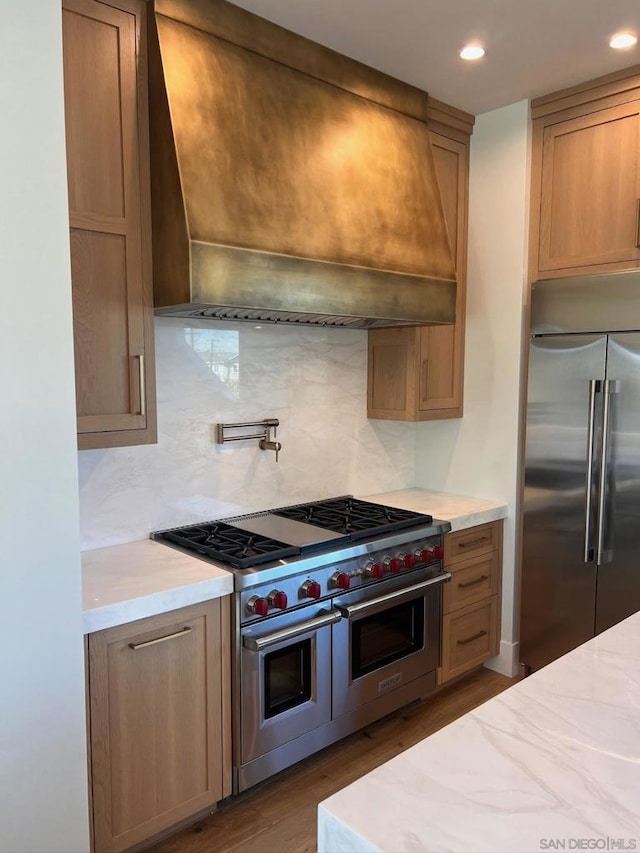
[[471, 601], [159, 718]]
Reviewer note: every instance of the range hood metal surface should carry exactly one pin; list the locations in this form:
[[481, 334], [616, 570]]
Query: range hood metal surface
[[289, 183]]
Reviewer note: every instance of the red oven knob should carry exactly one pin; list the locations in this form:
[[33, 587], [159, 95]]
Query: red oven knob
[[424, 556], [259, 606], [277, 598], [393, 564], [374, 570], [409, 561], [340, 580], [310, 589], [430, 553]]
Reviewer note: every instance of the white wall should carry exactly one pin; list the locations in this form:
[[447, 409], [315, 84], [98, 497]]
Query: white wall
[[313, 379], [478, 455], [43, 798]]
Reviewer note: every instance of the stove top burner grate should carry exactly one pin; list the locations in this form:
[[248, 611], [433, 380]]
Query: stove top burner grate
[[239, 548], [355, 518]]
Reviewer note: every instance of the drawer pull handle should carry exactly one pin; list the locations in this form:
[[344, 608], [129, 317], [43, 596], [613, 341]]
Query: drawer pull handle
[[466, 585], [182, 633], [474, 542], [471, 639]]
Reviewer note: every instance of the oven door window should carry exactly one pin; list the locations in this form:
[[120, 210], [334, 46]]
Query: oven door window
[[287, 678], [386, 636]]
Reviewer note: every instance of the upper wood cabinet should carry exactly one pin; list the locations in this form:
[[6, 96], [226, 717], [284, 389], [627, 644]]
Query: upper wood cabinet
[[416, 372], [159, 709], [109, 214], [586, 178]]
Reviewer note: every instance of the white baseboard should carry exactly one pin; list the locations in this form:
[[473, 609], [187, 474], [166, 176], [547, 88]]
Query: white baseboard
[[506, 662]]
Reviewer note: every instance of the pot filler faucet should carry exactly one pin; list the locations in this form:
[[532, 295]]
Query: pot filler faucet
[[265, 440]]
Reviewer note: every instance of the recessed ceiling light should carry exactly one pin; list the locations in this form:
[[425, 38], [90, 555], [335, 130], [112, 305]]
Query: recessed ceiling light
[[472, 51], [622, 40]]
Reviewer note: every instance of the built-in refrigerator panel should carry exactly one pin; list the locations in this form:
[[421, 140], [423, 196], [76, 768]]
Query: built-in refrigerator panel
[[597, 303], [618, 583], [558, 587]]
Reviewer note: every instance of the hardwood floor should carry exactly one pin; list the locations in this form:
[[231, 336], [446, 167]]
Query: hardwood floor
[[279, 815]]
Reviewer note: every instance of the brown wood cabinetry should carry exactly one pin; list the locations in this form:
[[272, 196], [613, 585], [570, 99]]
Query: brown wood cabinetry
[[109, 215], [159, 722], [471, 601], [416, 372], [586, 178]]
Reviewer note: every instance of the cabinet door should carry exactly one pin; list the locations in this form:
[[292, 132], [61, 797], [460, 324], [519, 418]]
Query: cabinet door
[[416, 373], [441, 347], [393, 370], [590, 190], [469, 637], [107, 173], [158, 722]]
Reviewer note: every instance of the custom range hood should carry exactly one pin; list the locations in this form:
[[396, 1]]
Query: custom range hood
[[289, 183]]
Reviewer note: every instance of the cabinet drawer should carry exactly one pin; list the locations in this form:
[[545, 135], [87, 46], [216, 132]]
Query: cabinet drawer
[[471, 581], [468, 543], [469, 637]]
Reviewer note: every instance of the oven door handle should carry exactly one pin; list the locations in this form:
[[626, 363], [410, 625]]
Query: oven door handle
[[356, 609], [257, 644]]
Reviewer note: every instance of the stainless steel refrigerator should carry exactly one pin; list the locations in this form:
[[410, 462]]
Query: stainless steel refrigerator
[[581, 532]]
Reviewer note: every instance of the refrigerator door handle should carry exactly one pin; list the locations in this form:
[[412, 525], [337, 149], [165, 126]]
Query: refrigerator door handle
[[594, 388], [609, 387]]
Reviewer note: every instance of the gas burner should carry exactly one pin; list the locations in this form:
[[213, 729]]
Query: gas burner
[[318, 527], [352, 517], [239, 548]]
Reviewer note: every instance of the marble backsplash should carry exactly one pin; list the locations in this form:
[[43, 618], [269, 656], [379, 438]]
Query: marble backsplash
[[312, 379]]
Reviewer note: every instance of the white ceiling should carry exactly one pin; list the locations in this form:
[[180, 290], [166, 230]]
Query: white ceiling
[[533, 46]]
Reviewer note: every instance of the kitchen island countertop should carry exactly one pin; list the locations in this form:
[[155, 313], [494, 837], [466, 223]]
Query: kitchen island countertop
[[552, 763]]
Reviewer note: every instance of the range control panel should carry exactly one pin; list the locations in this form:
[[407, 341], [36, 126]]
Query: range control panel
[[270, 599]]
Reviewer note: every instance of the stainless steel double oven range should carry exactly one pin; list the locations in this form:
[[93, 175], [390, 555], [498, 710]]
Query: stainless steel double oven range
[[336, 618]]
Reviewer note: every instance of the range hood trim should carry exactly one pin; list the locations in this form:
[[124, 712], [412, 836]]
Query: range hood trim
[[226, 277]]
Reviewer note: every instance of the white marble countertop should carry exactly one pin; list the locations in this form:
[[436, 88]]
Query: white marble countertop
[[123, 583], [553, 763], [460, 510]]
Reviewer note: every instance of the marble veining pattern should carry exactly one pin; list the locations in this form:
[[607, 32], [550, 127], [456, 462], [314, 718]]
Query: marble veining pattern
[[123, 583], [460, 510], [555, 760], [312, 379]]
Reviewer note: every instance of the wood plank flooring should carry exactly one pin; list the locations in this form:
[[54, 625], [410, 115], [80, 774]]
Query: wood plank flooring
[[279, 815]]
